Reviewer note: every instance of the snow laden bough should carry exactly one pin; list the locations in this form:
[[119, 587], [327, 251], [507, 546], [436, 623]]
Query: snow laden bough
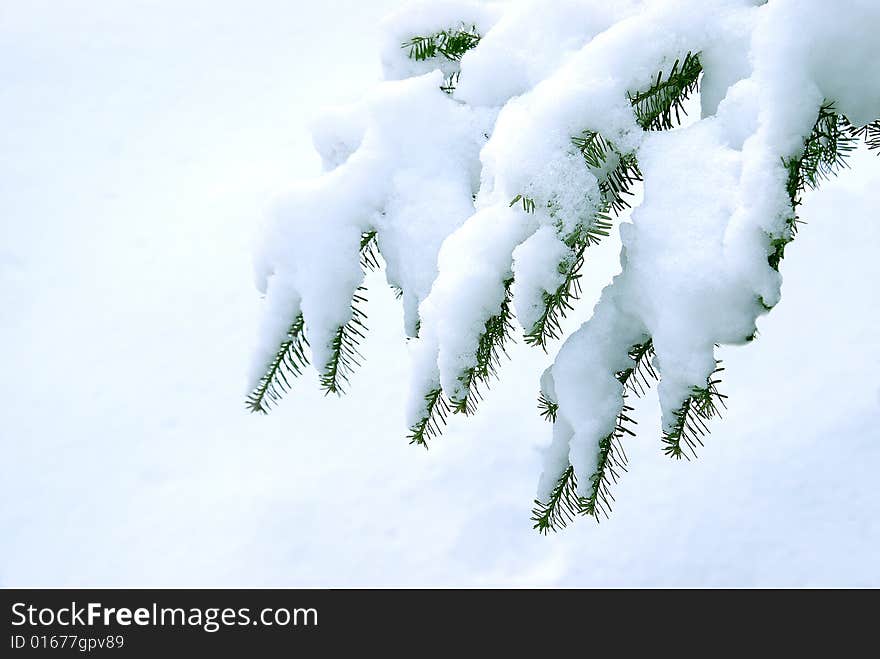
[[503, 146]]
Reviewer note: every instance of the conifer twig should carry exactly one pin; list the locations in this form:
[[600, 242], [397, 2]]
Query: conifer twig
[[450, 44], [288, 363], [564, 504], [825, 151], [290, 359], [344, 353], [490, 347], [661, 106], [431, 424], [690, 424]]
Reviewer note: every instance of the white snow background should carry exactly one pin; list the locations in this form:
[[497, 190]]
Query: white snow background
[[139, 145]]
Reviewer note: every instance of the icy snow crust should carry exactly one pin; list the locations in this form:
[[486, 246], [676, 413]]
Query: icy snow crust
[[434, 174]]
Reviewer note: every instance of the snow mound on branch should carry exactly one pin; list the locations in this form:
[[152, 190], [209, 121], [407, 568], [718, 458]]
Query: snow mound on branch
[[490, 172], [404, 163]]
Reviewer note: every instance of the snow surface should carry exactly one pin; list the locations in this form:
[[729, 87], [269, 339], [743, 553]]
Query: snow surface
[[139, 145]]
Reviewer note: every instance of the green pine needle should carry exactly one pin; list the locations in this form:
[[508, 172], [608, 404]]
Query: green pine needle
[[528, 204], [287, 364], [370, 251]]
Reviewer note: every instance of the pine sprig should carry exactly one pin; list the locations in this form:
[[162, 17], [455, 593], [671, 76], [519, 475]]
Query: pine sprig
[[610, 463], [344, 353], [639, 378], [557, 304], [287, 364], [490, 347], [564, 504], [290, 359], [547, 408], [691, 419], [497, 331], [825, 151], [617, 172], [450, 44], [437, 410], [661, 106]]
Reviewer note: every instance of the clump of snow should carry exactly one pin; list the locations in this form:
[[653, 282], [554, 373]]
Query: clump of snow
[[532, 41], [536, 271]]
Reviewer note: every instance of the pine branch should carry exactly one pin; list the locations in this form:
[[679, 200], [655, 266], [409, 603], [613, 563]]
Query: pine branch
[[662, 105], [564, 504], [290, 358], [638, 379], [825, 151], [616, 174], [344, 354], [437, 410], [562, 507], [690, 425], [547, 408], [287, 364], [490, 347], [557, 304], [610, 463]]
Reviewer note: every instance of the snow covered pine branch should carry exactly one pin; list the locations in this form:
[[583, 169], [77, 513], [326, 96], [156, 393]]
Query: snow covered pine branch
[[498, 153]]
